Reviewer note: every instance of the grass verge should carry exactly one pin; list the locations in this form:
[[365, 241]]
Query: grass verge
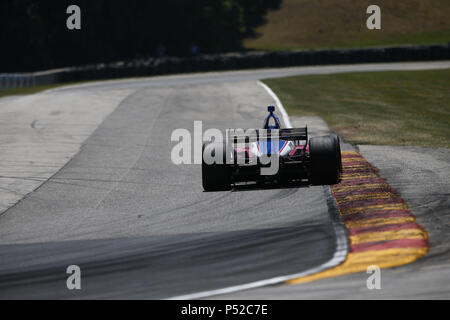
[[407, 108], [303, 24]]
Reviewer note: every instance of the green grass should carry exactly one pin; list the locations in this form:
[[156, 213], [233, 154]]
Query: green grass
[[306, 24], [405, 108], [30, 90]]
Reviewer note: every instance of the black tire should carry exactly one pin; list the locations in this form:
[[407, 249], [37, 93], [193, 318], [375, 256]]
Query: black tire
[[339, 155], [326, 162], [216, 177]]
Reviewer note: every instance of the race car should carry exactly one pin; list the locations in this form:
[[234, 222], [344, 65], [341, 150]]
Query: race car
[[244, 156]]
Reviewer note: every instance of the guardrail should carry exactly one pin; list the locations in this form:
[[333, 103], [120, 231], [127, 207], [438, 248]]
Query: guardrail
[[229, 61], [16, 80], [21, 80]]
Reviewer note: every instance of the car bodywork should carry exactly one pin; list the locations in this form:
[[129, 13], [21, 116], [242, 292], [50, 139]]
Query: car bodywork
[[249, 154]]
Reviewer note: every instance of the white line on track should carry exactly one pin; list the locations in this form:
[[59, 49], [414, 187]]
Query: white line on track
[[341, 239], [338, 257], [251, 75]]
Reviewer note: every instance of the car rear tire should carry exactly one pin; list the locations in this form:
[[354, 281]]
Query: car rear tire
[[216, 176], [326, 162]]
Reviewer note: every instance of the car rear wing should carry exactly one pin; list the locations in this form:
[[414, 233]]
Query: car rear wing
[[254, 135]]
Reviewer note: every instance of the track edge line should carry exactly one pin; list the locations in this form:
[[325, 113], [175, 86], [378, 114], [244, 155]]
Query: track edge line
[[340, 230]]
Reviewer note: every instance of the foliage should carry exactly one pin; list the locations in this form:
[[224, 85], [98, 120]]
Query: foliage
[[34, 34]]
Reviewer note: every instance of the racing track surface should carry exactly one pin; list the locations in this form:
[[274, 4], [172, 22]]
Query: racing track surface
[[141, 227], [421, 176], [166, 237]]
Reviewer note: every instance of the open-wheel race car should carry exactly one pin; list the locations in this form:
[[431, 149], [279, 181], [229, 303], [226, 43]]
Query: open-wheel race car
[[271, 155]]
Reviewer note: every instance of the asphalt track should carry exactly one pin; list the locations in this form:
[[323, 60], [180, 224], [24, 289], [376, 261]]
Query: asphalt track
[[421, 176], [141, 227]]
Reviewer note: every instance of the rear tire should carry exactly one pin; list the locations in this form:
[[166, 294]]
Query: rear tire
[[326, 162], [216, 176]]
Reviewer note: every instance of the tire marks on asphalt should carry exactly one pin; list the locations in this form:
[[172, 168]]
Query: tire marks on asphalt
[[382, 230]]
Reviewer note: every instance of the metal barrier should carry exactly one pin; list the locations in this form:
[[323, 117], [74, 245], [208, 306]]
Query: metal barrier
[[229, 61], [16, 80]]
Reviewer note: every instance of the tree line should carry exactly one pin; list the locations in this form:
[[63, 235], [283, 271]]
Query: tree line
[[34, 35]]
